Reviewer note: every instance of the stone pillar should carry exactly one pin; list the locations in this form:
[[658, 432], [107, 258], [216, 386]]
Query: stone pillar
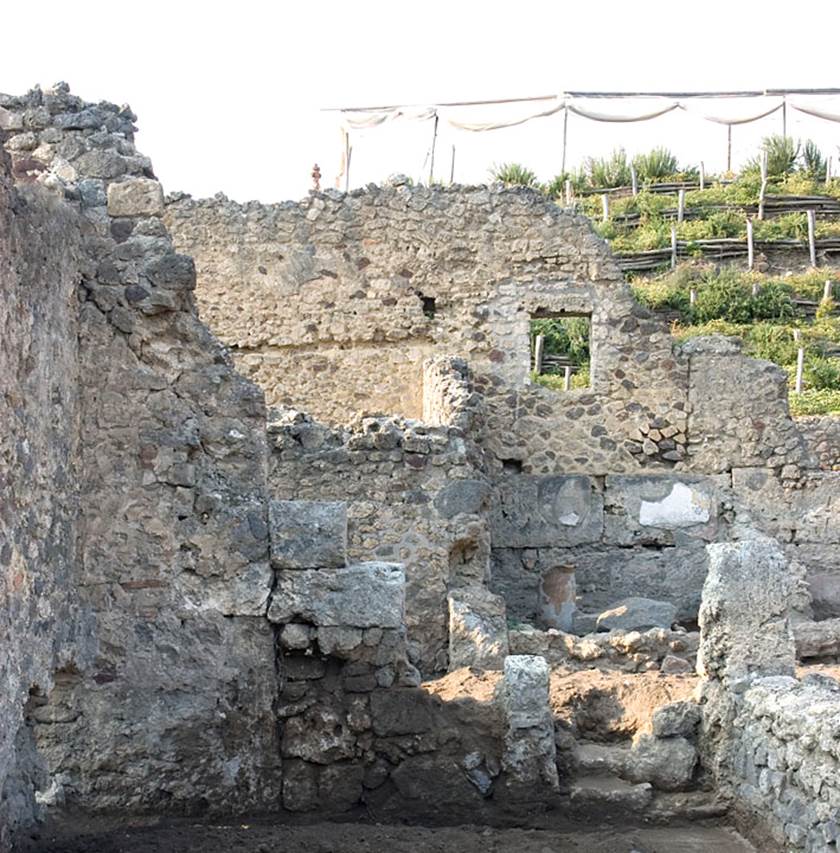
[[750, 594], [529, 759]]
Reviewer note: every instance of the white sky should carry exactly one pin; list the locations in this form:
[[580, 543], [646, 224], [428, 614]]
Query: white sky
[[228, 93]]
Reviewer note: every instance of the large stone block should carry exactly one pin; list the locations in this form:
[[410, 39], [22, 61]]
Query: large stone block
[[477, 629], [135, 197], [544, 511], [308, 534], [366, 595], [751, 593], [530, 753], [637, 614], [659, 509]]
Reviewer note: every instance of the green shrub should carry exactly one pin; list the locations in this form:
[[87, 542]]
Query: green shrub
[[814, 165], [564, 336], [774, 301], [513, 174], [607, 172], [723, 298], [815, 403], [823, 374], [657, 164], [771, 342], [782, 153]]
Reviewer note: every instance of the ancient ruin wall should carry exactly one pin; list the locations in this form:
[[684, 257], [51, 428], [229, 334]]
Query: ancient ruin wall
[[172, 553], [415, 495], [466, 269], [43, 625], [822, 435], [768, 736]]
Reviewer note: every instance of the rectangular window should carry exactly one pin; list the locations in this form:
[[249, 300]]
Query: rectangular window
[[561, 350]]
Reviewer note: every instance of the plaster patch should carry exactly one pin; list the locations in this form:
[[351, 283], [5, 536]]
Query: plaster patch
[[682, 507]]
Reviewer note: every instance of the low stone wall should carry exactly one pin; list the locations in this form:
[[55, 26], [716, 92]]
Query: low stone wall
[[414, 494], [768, 737], [786, 761]]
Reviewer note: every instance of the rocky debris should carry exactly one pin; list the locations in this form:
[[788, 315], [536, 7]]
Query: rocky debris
[[308, 534], [676, 718], [637, 614], [632, 651], [367, 595], [529, 758], [667, 763], [478, 634]]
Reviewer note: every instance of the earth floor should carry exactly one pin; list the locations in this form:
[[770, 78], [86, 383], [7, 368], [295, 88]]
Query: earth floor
[[184, 836]]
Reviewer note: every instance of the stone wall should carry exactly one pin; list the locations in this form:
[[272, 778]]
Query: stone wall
[[767, 736], [44, 626], [459, 272], [172, 547], [415, 494], [822, 435]]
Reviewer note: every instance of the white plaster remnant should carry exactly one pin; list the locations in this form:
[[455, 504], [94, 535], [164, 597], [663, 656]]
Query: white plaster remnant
[[682, 507]]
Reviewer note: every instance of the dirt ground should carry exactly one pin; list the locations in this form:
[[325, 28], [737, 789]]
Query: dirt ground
[[189, 837]]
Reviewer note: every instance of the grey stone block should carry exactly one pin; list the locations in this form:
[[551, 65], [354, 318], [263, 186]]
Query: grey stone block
[[366, 595], [544, 511], [659, 509], [308, 534], [676, 718], [637, 614], [477, 629]]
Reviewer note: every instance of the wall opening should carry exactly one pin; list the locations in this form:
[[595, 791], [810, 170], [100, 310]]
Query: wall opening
[[561, 350]]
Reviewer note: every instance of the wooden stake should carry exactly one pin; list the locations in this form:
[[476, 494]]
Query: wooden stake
[[692, 296], [828, 289], [784, 117], [568, 193], [800, 362], [348, 151], [633, 180], [565, 139], [567, 378], [755, 289], [452, 167], [702, 175], [434, 144], [539, 346], [729, 148], [673, 247], [605, 204], [763, 190], [681, 205], [812, 240], [750, 245]]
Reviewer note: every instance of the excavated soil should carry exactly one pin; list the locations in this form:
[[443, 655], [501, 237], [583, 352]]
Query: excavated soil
[[189, 837]]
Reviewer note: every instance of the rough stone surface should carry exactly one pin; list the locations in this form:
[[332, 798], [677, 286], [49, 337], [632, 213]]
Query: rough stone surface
[[135, 197], [478, 634], [308, 534], [367, 595], [529, 757], [676, 718], [667, 763], [637, 614]]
